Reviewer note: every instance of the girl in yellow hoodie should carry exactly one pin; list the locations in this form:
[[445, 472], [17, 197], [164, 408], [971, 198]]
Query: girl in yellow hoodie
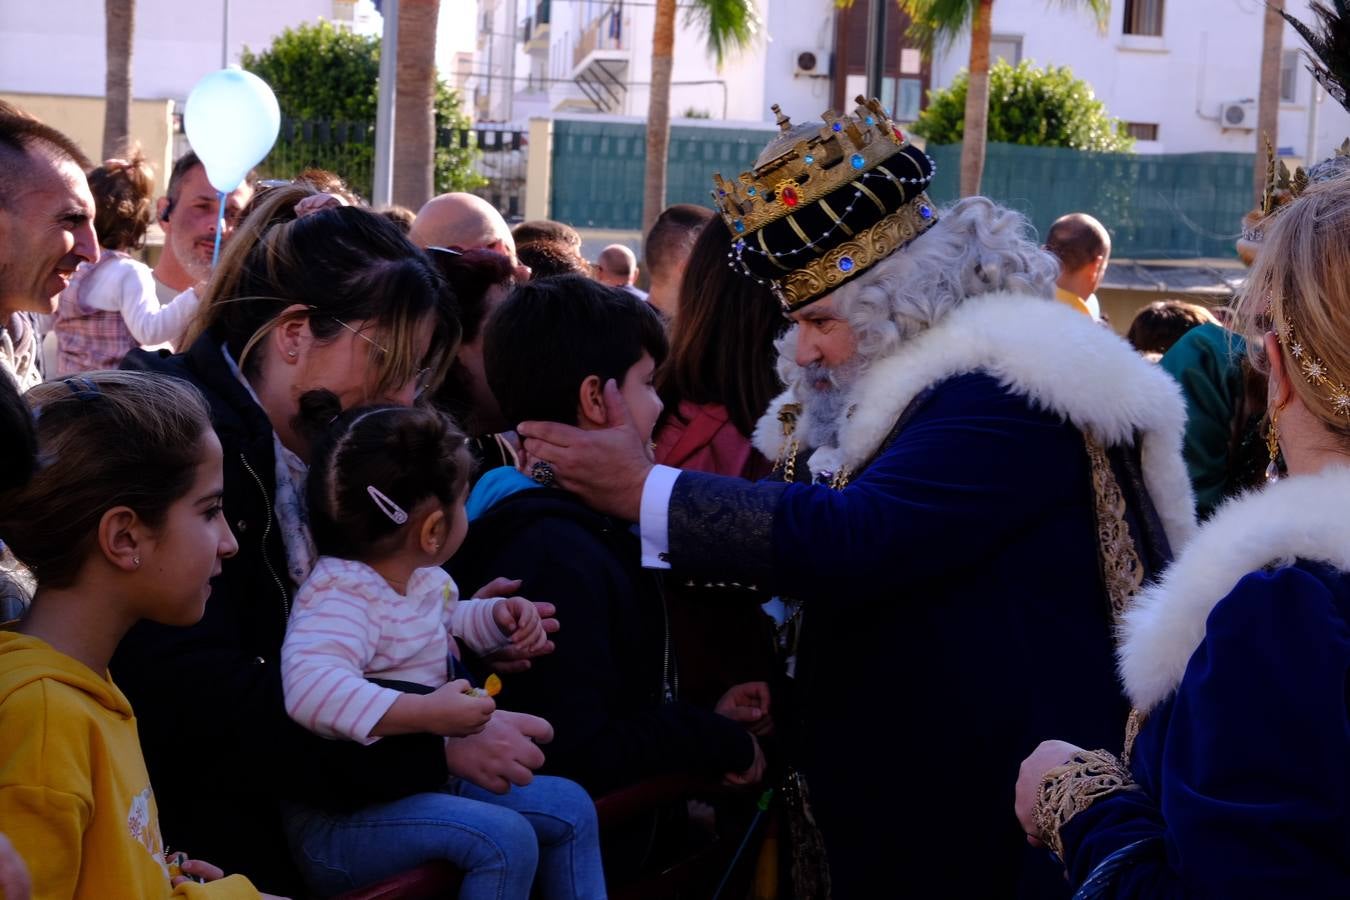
[[110, 488]]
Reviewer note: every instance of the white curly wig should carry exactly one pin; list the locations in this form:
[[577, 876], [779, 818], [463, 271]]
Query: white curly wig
[[977, 247]]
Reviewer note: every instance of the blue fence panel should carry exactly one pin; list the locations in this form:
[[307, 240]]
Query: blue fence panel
[[1177, 206], [599, 167]]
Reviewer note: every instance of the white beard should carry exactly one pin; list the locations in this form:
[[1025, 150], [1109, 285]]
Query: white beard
[[824, 394]]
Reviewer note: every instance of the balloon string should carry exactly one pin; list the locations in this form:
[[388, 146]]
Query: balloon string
[[220, 228]]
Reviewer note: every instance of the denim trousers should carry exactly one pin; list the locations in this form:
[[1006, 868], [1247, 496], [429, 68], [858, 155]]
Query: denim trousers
[[498, 840]]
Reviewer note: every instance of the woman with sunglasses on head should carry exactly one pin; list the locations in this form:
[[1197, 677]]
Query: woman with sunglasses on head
[[338, 301]]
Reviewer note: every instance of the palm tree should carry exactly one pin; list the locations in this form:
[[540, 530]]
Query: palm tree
[[414, 106], [1268, 107], [941, 21], [119, 27], [727, 24]]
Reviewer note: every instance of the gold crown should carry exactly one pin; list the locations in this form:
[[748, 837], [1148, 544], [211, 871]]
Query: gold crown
[[827, 272], [1281, 185], [791, 174]]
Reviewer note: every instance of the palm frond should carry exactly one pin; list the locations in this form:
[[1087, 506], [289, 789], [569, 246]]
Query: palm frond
[[941, 21], [1100, 9], [727, 24], [937, 22], [1330, 45]]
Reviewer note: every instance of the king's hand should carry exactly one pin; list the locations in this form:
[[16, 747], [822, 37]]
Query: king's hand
[[607, 468]]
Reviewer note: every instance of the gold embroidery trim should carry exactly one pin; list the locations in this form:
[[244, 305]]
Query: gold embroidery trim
[[874, 243], [1122, 570], [1067, 790], [1132, 726]]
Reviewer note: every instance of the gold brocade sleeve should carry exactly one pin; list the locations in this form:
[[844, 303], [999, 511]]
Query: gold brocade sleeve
[[1067, 790]]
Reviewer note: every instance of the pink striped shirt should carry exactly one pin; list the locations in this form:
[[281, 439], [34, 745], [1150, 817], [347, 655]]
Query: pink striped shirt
[[348, 624]]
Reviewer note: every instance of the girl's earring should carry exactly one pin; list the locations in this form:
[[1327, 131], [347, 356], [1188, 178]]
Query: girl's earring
[[292, 354], [136, 561], [1273, 447]]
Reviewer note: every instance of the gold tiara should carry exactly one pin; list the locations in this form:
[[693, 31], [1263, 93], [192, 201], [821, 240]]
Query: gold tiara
[[1317, 373]]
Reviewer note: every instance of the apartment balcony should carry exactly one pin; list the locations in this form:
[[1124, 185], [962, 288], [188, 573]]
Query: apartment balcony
[[536, 30], [600, 61]]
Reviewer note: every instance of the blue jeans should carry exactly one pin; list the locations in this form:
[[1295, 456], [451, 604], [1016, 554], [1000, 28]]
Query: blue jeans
[[497, 839]]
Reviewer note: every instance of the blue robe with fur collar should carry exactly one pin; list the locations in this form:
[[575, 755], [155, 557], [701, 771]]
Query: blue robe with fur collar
[[1243, 763], [950, 587]]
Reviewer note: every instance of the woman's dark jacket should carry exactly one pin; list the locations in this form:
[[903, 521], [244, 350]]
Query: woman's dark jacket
[[222, 753]]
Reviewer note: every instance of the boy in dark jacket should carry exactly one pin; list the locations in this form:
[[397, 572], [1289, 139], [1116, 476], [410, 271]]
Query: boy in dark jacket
[[610, 689]]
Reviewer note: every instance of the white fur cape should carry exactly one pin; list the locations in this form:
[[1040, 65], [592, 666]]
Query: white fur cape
[[1057, 358], [1302, 517]]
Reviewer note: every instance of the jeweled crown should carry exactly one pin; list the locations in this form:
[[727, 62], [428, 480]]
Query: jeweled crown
[[796, 170], [825, 203]]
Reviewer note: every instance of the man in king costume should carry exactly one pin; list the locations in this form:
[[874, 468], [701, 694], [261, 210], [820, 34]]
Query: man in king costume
[[973, 481]]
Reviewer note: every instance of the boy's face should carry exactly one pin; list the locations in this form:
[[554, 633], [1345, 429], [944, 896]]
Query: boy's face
[[639, 393]]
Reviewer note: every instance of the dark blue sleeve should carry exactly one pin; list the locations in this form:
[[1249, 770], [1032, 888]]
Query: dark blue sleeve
[[1254, 778], [974, 466]]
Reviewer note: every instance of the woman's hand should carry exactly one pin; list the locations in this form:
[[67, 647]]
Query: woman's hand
[[748, 704], [502, 754], [1047, 756], [752, 775]]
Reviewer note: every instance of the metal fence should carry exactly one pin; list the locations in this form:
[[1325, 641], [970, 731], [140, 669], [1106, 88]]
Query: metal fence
[[1176, 206], [598, 168], [348, 149], [1180, 206]]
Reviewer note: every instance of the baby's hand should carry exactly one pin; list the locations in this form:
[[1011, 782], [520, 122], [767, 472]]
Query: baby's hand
[[451, 712], [519, 620]]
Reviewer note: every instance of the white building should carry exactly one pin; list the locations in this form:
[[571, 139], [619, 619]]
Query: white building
[[1185, 74], [53, 60], [594, 56], [47, 49]]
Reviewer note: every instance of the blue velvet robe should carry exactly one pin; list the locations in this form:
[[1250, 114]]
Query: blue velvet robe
[[947, 591], [1244, 773]]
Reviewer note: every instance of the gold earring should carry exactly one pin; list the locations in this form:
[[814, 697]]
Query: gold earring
[[1273, 446]]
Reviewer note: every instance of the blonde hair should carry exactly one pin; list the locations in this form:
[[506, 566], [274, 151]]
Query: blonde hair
[[104, 439], [1299, 288]]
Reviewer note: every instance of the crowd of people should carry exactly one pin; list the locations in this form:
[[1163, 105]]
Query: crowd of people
[[388, 538]]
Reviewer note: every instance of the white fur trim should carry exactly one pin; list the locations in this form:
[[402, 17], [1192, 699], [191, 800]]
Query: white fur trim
[[1057, 358], [1301, 517]]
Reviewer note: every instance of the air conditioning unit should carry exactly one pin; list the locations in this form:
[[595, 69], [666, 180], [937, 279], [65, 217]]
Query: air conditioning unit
[[811, 64], [1238, 114]]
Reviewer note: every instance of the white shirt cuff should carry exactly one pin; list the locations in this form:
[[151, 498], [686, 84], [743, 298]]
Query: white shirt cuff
[[654, 523]]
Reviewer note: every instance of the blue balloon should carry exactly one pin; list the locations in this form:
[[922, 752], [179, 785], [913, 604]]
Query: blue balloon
[[231, 120]]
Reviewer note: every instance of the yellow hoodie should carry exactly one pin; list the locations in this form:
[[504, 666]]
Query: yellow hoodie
[[75, 798]]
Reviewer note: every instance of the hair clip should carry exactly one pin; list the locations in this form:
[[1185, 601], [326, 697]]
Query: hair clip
[[387, 506], [82, 388]]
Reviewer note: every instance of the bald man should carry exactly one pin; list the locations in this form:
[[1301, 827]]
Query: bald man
[[1083, 248], [617, 267], [467, 222]]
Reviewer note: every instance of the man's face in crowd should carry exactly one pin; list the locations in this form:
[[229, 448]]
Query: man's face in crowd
[[190, 229], [46, 230]]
